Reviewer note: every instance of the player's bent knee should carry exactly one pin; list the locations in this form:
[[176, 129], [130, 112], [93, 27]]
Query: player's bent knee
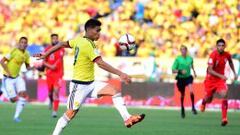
[[23, 94], [71, 113], [13, 100], [209, 99]]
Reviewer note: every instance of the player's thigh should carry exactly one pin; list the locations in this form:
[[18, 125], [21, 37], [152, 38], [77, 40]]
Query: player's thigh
[[50, 84], [222, 89], [78, 94], [209, 88], [189, 83], [9, 87], [103, 88], [20, 85], [57, 83], [181, 84]]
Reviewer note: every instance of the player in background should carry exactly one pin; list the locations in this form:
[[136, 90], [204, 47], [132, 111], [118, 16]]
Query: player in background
[[215, 80], [14, 85], [237, 57], [83, 84], [182, 67], [54, 72]]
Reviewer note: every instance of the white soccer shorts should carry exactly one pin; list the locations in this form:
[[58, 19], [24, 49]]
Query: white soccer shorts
[[79, 92], [12, 86]]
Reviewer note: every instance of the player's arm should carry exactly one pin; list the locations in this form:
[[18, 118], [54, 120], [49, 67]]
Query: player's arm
[[29, 67], [175, 67], [194, 72], [4, 62], [232, 67], [105, 66], [211, 71], [53, 49], [51, 66], [47, 65]]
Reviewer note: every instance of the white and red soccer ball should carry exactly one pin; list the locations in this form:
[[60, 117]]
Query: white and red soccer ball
[[126, 42]]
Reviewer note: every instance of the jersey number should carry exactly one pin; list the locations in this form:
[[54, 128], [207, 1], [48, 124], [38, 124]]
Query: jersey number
[[76, 55]]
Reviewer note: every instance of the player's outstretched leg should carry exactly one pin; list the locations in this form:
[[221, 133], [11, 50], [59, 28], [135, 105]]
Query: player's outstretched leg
[[182, 106], [224, 112], [55, 103], [129, 120], [21, 101], [203, 105], [50, 96], [61, 124], [205, 100], [182, 92], [194, 111]]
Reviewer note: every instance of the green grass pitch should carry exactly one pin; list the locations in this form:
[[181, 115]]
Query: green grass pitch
[[37, 120]]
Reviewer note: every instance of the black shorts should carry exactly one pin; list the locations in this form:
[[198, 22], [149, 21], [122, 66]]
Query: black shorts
[[183, 82]]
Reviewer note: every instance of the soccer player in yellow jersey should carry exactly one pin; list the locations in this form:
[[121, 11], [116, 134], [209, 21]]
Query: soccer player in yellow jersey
[[13, 85], [83, 84]]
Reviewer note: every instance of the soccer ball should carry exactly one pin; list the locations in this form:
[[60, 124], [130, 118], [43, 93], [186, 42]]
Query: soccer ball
[[126, 42]]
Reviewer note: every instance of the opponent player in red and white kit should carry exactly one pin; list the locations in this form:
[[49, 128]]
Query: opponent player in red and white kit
[[215, 80], [54, 74]]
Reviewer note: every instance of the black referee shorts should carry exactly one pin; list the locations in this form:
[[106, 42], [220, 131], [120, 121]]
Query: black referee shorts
[[183, 82]]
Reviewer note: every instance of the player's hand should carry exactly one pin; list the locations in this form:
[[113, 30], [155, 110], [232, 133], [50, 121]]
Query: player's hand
[[224, 77], [126, 78], [183, 72], [39, 56]]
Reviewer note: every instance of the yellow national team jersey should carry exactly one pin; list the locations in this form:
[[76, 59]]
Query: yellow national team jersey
[[84, 54], [15, 60]]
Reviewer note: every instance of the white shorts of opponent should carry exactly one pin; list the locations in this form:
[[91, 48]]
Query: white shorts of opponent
[[12, 86], [79, 92]]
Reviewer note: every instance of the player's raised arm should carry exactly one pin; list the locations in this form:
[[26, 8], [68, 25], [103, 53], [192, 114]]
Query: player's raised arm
[[102, 64], [53, 49]]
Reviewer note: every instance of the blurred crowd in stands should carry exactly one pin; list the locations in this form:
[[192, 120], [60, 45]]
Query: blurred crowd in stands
[[159, 26]]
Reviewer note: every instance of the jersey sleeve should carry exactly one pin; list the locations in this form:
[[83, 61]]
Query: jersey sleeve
[[92, 52], [27, 58], [9, 55], [211, 60], [229, 56], [175, 64]]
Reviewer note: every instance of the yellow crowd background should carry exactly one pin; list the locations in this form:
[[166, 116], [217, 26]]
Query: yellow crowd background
[[166, 24]]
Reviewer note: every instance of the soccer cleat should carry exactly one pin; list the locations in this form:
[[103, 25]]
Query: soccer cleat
[[183, 113], [134, 119], [194, 111], [54, 114], [224, 122], [202, 108], [17, 120]]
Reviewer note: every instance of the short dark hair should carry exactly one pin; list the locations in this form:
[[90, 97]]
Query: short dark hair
[[54, 34], [221, 41], [21, 38], [183, 46], [91, 23]]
